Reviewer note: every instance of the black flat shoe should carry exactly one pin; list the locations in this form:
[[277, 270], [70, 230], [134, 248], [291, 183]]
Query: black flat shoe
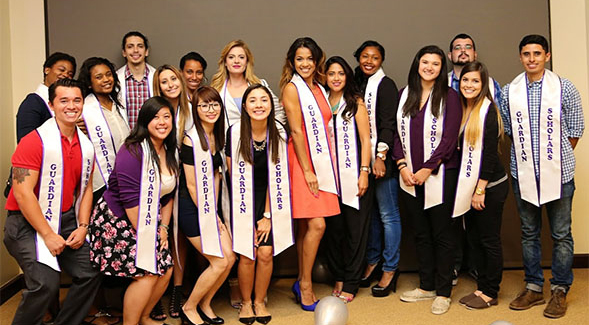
[[263, 319], [217, 320], [378, 291], [247, 320], [187, 320]]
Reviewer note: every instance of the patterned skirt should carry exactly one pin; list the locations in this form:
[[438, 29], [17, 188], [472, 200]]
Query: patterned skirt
[[113, 245]]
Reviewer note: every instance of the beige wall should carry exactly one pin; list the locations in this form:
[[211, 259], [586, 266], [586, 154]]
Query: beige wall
[[570, 59], [22, 52]]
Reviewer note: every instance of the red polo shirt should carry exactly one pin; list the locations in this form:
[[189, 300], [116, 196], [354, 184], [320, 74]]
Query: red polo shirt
[[29, 155]]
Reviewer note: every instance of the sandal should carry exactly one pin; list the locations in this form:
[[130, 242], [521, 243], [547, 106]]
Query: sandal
[[175, 302], [157, 313], [346, 299], [103, 318], [234, 301]]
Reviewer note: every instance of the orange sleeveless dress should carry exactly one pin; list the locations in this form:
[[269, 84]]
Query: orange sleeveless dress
[[304, 203]]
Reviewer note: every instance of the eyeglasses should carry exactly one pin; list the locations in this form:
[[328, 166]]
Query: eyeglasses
[[207, 107], [460, 47]]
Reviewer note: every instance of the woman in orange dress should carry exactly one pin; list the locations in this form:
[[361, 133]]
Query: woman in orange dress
[[311, 156]]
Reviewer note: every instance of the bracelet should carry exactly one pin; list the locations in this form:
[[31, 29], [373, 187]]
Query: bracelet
[[166, 227], [365, 169], [404, 166], [401, 162], [480, 191], [85, 225], [401, 165]]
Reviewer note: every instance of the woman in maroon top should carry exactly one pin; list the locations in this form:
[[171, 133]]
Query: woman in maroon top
[[428, 166]]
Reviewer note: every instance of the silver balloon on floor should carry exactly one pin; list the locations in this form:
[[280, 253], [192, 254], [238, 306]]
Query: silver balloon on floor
[[500, 322], [331, 311]]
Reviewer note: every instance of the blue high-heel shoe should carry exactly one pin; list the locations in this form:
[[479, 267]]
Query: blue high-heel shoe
[[310, 307], [296, 291]]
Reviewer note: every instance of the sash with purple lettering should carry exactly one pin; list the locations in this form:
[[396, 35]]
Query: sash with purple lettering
[[51, 182], [549, 163], [147, 215], [432, 135], [43, 92], [317, 137], [470, 166], [370, 100], [243, 210], [347, 156], [204, 176], [100, 135]]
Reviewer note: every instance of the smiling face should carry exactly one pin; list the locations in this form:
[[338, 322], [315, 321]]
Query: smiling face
[[462, 51], [471, 85], [370, 60], [208, 112], [336, 77], [59, 70], [258, 104], [102, 80], [67, 105], [161, 125], [135, 51], [304, 63], [430, 65], [170, 84], [534, 58], [236, 60], [193, 74]]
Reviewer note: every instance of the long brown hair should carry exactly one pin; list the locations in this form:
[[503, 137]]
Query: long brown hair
[[318, 57], [245, 140], [209, 94], [184, 110]]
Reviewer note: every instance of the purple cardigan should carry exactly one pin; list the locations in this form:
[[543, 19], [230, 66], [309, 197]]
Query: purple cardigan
[[125, 182], [446, 152]]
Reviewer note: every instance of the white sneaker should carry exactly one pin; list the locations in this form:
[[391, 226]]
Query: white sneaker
[[441, 305], [417, 295]]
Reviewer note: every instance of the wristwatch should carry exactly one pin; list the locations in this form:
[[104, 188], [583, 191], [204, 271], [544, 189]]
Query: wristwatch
[[365, 169], [479, 191], [267, 215], [381, 155]]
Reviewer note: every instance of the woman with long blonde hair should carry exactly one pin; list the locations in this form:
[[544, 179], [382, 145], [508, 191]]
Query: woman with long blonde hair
[[234, 75], [482, 182]]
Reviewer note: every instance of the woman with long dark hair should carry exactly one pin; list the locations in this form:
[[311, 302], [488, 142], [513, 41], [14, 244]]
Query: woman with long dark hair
[[428, 121], [381, 97], [198, 218], [347, 233], [311, 156], [262, 226], [129, 228], [482, 182]]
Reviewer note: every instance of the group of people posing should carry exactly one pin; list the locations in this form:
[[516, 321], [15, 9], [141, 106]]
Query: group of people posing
[[153, 160]]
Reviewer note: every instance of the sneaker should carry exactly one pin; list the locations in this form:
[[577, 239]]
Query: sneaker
[[441, 305], [454, 278], [557, 306], [417, 295], [527, 299]]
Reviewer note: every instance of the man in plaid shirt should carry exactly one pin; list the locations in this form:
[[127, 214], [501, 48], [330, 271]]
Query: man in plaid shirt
[[536, 121], [136, 76]]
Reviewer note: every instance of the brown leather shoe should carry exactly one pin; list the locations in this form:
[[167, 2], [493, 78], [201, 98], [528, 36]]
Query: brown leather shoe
[[479, 303], [466, 299], [557, 306], [527, 299]]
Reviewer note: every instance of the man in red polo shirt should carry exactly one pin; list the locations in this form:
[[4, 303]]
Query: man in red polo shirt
[[49, 209]]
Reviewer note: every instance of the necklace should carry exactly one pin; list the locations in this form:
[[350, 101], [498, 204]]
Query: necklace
[[261, 146]]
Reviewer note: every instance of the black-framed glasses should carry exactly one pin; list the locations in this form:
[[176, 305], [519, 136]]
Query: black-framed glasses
[[207, 107]]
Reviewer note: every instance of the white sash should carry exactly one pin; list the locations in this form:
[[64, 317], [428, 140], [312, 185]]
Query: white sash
[[147, 215], [51, 182], [204, 176], [470, 166], [101, 136], [317, 137], [43, 92], [370, 99], [549, 188], [347, 157], [432, 135]]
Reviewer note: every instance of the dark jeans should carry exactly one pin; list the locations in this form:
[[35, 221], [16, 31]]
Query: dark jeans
[[42, 282], [559, 218], [347, 235], [434, 236], [483, 229]]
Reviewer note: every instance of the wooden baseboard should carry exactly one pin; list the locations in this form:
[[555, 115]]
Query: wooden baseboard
[[11, 288], [581, 261]]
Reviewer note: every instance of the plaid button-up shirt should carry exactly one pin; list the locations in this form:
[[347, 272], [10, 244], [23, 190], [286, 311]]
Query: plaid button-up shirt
[[137, 93], [572, 124]]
